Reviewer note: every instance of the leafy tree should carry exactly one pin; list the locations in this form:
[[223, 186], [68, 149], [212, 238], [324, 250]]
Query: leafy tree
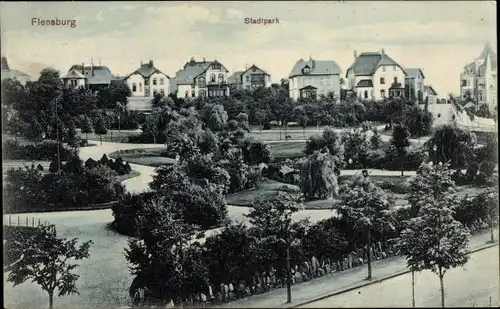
[[117, 92], [329, 139], [433, 180], [100, 126], [435, 240], [368, 208], [356, 147], [451, 144], [255, 152], [327, 239], [151, 125], [375, 139], [400, 141], [318, 176], [87, 127], [44, 258], [242, 119], [215, 116], [272, 219]]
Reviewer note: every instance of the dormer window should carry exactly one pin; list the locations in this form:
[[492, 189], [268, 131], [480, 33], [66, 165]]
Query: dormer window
[[216, 66], [306, 70]]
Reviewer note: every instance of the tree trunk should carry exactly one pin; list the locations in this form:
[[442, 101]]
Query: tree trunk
[[100, 136], [288, 276], [154, 138], [413, 288], [442, 287], [369, 257], [401, 165], [281, 127], [87, 137], [51, 299]]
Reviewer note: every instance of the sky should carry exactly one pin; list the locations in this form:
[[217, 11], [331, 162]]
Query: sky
[[438, 37]]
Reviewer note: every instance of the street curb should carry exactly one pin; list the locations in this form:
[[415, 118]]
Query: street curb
[[359, 286]]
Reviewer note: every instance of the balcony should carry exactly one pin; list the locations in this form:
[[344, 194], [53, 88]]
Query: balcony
[[213, 83]]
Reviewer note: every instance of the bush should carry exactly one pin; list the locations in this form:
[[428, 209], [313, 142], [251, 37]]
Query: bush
[[388, 159], [147, 138], [45, 150], [29, 190], [126, 211]]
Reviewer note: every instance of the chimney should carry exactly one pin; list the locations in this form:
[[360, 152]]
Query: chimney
[[92, 66], [355, 54], [150, 63], [204, 60], [383, 52], [141, 63]]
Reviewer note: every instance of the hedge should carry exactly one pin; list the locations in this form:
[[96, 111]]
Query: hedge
[[45, 150]]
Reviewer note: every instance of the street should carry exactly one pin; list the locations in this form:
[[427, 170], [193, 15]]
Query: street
[[471, 286]]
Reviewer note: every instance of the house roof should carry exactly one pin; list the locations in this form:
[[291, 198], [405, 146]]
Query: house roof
[[146, 70], [479, 65], [13, 74], [236, 77], [102, 74], [365, 83], [256, 67], [191, 70], [429, 89], [73, 74], [317, 67], [367, 63], [413, 72], [5, 65]]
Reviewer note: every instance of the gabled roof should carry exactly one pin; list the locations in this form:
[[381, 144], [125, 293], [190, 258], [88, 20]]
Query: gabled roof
[[73, 74], [413, 72], [235, 78], [429, 89], [192, 70], [146, 70], [365, 83], [366, 64], [317, 67], [479, 65], [102, 74], [253, 66], [308, 87]]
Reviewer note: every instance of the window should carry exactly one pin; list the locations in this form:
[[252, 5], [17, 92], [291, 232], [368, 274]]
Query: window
[[202, 93], [140, 87], [394, 68], [202, 83], [154, 81], [382, 93], [464, 83], [162, 91], [216, 66], [212, 78], [395, 80], [146, 82], [187, 94], [253, 70], [134, 87], [328, 82], [162, 81], [321, 81], [383, 68], [193, 94], [74, 82], [382, 81], [248, 78], [221, 78], [306, 70], [366, 94]]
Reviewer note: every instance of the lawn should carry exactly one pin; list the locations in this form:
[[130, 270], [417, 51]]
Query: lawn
[[149, 157], [270, 187], [287, 150]]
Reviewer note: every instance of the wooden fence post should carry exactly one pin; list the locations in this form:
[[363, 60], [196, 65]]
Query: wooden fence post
[[38, 221], [18, 223], [9, 220], [27, 222], [33, 221]]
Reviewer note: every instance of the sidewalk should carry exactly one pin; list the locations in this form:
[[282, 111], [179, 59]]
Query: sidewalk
[[336, 282]]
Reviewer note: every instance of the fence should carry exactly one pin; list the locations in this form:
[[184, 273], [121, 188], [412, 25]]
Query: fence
[[24, 222]]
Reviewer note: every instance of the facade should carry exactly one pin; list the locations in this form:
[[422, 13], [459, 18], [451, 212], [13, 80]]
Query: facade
[[97, 76], [148, 80], [202, 79], [253, 77], [309, 79], [414, 85], [376, 76], [430, 95], [13, 74], [478, 80], [74, 79]]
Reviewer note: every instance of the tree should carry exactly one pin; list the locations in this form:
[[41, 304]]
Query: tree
[[375, 139], [451, 144], [272, 219], [44, 258], [400, 141], [151, 124], [318, 176], [255, 152], [355, 147], [86, 127], [435, 240], [120, 111], [100, 126], [368, 208], [329, 139]]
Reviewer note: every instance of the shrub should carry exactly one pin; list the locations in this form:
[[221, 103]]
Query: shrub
[[45, 150], [126, 211]]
